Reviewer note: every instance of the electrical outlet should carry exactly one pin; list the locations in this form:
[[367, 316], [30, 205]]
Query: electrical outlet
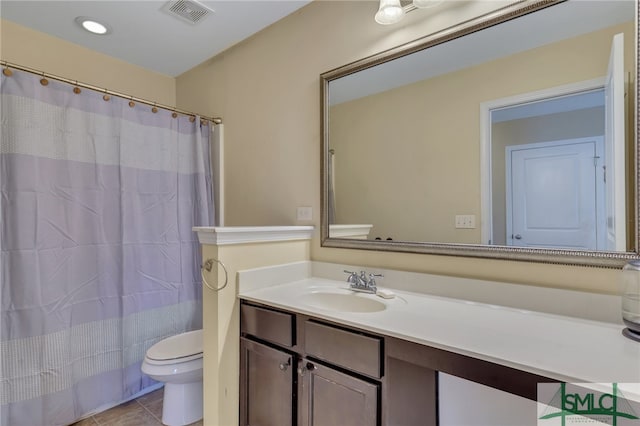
[[465, 221], [304, 213]]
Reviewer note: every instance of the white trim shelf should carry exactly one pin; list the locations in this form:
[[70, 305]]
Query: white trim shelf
[[349, 231], [215, 235]]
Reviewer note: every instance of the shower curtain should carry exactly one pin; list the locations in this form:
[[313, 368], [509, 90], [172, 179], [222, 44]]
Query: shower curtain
[[99, 262]]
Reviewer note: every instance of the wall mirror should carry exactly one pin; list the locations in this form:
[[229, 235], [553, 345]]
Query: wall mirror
[[510, 136]]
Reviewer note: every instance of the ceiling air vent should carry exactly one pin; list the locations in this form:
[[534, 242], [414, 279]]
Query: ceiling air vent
[[189, 11]]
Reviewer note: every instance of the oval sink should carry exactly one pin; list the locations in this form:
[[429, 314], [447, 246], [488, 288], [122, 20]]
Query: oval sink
[[347, 301]]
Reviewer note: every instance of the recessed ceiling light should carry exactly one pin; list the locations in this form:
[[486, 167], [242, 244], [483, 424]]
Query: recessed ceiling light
[[93, 25]]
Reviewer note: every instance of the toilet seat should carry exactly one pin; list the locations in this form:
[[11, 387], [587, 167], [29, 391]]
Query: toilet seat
[[187, 358], [180, 348]]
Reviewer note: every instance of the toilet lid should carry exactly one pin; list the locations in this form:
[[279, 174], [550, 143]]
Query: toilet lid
[[178, 346]]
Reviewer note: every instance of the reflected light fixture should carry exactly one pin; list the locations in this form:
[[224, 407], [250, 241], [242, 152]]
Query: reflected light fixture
[[391, 11], [93, 25]]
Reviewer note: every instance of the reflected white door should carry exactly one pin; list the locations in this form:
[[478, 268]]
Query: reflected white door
[[553, 193], [614, 143]]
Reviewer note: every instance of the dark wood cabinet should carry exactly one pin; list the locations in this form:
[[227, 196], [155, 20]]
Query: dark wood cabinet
[[267, 383], [329, 397], [295, 370]]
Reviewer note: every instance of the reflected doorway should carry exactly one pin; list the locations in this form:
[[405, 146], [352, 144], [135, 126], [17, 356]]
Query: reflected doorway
[[555, 194], [594, 108], [554, 117]]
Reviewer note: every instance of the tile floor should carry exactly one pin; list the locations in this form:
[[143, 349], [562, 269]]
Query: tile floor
[[144, 411]]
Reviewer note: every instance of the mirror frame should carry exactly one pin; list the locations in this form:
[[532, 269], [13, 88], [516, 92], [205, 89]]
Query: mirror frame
[[606, 259]]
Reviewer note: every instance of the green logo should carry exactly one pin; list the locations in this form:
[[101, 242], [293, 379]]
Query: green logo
[[593, 406]]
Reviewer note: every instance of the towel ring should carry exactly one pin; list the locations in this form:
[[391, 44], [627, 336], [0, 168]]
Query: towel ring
[[208, 265]]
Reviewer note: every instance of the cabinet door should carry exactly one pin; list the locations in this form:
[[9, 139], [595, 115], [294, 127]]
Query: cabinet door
[[266, 385], [331, 398]]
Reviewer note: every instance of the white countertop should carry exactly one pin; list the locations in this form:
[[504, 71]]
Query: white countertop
[[559, 347]]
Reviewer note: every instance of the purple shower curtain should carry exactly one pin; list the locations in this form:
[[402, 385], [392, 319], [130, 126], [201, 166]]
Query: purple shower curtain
[[98, 257]]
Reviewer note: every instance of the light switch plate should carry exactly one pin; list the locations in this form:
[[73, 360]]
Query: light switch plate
[[465, 221]]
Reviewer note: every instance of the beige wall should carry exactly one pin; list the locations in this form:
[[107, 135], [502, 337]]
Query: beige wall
[[221, 349], [421, 147], [23, 46], [267, 90]]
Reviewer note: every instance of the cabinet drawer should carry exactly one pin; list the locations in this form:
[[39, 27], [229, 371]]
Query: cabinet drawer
[[344, 348], [273, 326]]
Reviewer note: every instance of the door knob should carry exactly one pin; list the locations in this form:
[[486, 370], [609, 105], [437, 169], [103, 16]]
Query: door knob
[[517, 237]]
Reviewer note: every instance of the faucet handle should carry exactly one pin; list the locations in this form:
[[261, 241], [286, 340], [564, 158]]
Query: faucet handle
[[352, 278], [372, 279]]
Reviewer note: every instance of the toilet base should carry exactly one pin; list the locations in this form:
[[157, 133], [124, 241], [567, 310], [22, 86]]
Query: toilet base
[[182, 403], [631, 334]]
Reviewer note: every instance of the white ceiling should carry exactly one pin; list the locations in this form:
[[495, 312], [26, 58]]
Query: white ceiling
[[144, 35]]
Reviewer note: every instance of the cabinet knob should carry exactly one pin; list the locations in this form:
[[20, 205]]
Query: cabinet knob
[[307, 367], [284, 365]]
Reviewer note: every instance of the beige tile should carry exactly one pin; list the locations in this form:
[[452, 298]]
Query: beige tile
[[155, 408], [151, 397], [116, 411], [127, 414]]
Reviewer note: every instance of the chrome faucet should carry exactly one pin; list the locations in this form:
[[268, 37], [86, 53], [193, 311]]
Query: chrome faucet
[[361, 282]]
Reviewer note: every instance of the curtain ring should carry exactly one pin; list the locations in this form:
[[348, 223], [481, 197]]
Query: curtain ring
[[154, 109], [208, 265], [7, 71], [44, 80], [131, 103], [106, 96], [76, 89]]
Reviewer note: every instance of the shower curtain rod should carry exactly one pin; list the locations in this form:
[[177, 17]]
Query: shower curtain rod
[[9, 65]]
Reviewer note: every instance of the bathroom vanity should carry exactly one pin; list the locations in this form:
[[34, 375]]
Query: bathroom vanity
[[313, 352], [294, 364], [445, 350], [321, 372]]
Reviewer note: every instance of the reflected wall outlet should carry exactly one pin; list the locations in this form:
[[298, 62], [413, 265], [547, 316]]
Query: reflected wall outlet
[[304, 213], [466, 221]]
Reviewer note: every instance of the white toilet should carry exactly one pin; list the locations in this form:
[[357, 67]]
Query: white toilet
[[177, 361]]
